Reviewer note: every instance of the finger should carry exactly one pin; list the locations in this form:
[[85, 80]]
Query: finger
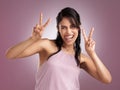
[[84, 34], [37, 26], [48, 21], [93, 42], [41, 18], [91, 33]]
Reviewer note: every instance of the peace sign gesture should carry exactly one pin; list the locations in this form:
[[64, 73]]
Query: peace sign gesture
[[39, 28], [89, 42]]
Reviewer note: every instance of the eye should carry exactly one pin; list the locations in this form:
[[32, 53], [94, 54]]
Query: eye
[[72, 26], [62, 27]]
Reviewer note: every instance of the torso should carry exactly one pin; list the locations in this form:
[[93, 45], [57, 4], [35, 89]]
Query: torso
[[50, 48], [59, 72]]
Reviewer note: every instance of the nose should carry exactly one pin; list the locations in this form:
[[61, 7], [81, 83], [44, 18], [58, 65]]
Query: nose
[[68, 31]]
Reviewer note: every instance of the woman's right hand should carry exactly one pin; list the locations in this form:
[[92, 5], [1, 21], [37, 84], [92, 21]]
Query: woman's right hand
[[39, 28]]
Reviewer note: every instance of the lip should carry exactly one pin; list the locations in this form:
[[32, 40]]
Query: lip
[[68, 37]]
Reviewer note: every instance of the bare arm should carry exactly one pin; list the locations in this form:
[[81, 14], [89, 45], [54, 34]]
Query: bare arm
[[16, 50], [31, 45], [93, 65]]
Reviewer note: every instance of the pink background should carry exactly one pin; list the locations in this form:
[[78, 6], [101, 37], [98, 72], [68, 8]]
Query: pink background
[[17, 18]]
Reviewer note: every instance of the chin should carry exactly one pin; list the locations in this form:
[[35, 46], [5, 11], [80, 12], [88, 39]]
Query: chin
[[69, 43]]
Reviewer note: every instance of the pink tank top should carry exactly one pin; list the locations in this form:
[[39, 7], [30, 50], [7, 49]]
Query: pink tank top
[[59, 72]]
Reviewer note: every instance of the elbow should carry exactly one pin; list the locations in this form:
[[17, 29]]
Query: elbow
[[107, 80], [9, 56]]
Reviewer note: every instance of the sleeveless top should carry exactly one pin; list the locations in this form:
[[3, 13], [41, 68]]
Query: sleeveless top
[[59, 72]]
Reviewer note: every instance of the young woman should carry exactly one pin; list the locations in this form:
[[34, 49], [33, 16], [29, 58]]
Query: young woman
[[61, 59]]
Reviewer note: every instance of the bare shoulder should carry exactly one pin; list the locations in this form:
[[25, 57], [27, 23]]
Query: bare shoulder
[[51, 47], [45, 43], [48, 46]]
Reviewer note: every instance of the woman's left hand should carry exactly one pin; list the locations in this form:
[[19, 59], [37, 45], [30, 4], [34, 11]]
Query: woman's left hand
[[89, 42]]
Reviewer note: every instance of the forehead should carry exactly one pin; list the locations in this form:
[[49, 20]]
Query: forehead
[[66, 21]]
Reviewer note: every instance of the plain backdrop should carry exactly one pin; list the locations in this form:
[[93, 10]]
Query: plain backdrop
[[18, 17]]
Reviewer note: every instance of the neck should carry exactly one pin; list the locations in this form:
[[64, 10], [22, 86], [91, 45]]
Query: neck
[[68, 48]]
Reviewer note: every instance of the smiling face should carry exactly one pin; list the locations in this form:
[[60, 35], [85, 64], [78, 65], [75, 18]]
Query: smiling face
[[68, 31]]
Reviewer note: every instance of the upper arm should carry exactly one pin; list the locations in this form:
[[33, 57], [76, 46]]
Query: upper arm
[[36, 47], [88, 65]]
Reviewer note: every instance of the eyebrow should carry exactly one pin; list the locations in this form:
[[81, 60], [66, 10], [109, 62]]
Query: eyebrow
[[63, 26], [66, 26]]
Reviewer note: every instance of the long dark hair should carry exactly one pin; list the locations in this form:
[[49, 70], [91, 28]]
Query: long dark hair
[[74, 18]]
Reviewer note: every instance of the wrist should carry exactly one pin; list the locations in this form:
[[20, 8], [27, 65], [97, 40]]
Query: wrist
[[34, 38], [91, 53]]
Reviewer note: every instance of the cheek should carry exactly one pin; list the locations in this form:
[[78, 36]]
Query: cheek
[[76, 33], [61, 33]]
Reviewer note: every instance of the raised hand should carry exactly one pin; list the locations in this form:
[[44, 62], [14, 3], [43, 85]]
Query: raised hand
[[39, 28], [89, 42]]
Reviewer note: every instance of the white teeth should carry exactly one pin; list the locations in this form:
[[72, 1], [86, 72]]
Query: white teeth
[[68, 37]]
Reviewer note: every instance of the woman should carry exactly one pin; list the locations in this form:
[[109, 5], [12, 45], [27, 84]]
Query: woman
[[61, 59]]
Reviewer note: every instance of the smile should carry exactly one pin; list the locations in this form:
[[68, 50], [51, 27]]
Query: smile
[[69, 37]]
